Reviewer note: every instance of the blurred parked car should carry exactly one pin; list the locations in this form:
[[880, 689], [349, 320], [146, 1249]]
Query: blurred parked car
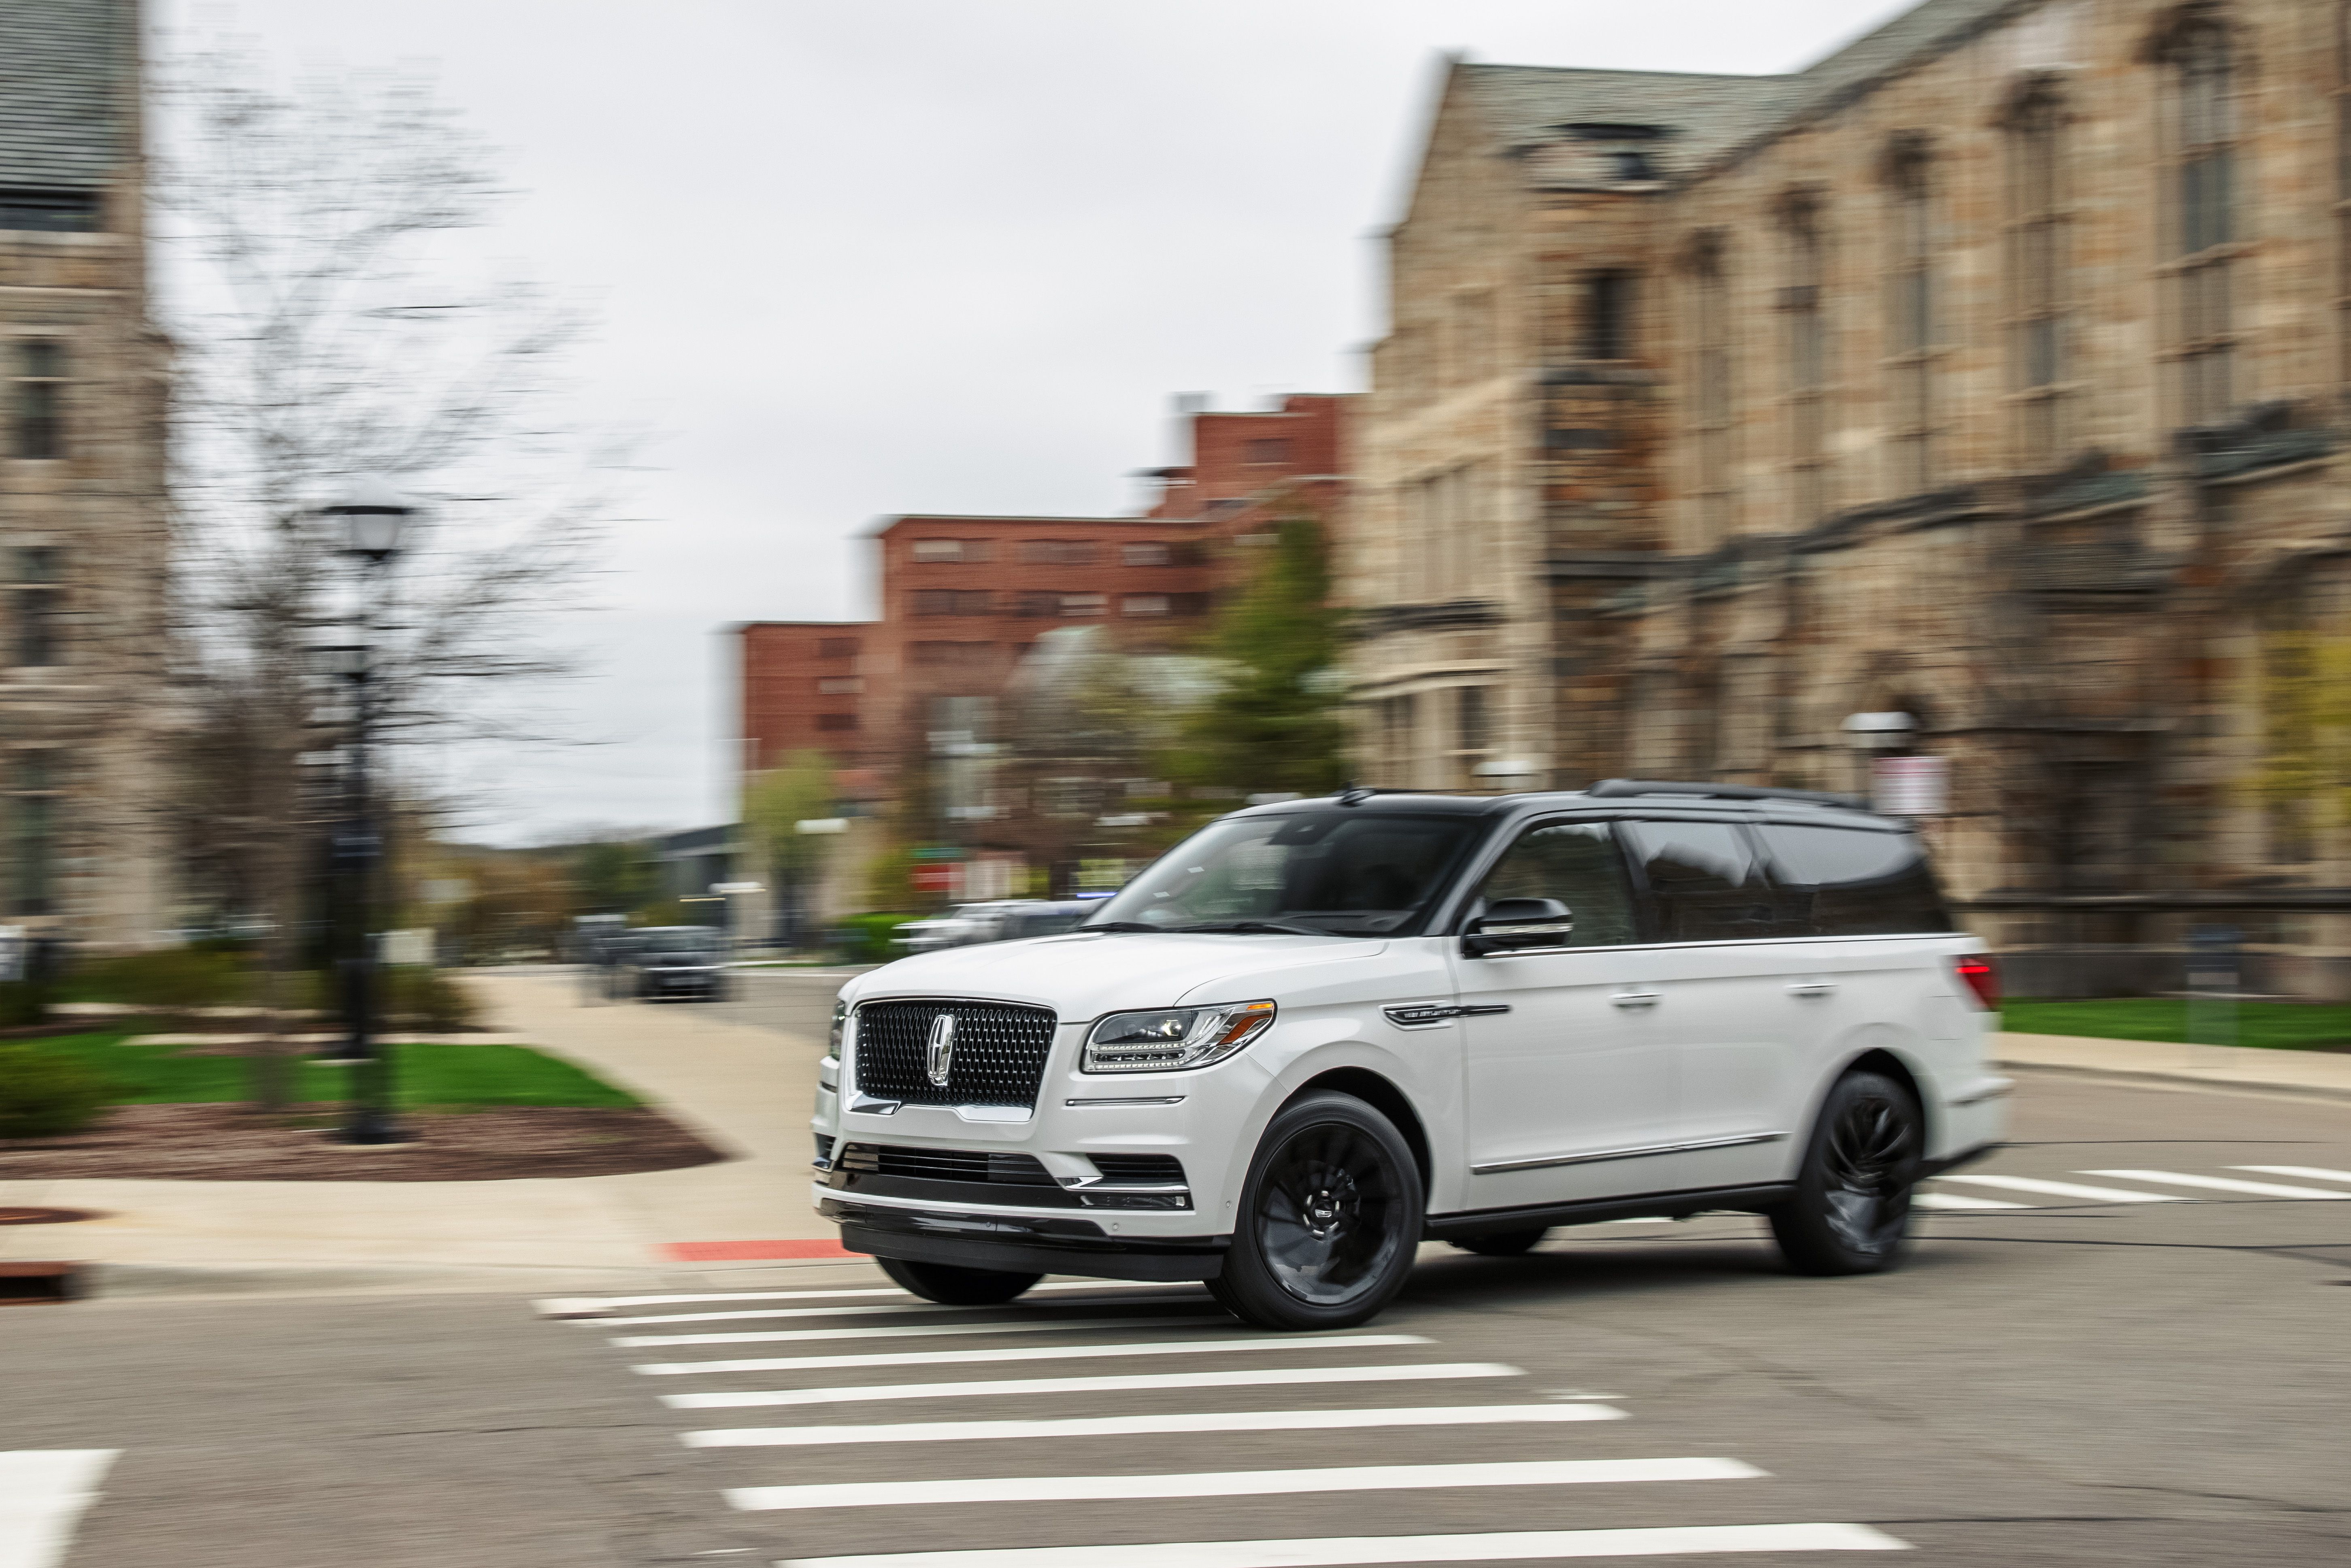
[[680, 961], [1000, 920]]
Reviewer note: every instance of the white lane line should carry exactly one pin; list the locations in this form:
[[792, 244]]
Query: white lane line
[[1238, 1483], [584, 1306], [919, 1330], [43, 1492], [2310, 1173], [2221, 1183], [891, 1307], [999, 1386], [1953, 1201], [1346, 1551], [2068, 1189], [1053, 1353], [1146, 1426]]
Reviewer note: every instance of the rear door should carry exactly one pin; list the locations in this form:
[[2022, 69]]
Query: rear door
[[1565, 1077]]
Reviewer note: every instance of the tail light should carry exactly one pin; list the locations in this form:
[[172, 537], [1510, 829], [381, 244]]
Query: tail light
[[1975, 971]]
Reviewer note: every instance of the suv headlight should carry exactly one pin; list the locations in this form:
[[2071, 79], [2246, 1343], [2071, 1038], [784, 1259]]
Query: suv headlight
[[839, 1022], [1169, 1037]]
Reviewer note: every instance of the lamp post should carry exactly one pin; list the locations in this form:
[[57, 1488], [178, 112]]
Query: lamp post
[[369, 521]]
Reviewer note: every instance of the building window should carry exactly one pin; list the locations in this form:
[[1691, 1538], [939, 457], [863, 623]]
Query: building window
[[1397, 719], [1144, 555], [836, 648], [951, 601], [1608, 300], [59, 211], [1910, 311], [33, 807], [1472, 732], [2038, 295], [1038, 603], [927, 551], [1803, 305], [1268, 449], [2204, 138], [1187, 604], [836, 721], [1711, 393], [1444, 526], [1083, 603], [1059, 552], [941, 655], [38, 601], [1144, 604], [40, 391]]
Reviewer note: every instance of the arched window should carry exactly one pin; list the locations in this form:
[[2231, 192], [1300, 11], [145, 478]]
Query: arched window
[[1912, 331], [2203, 125], [1710, 400], [2038, 289], [1802, 302]]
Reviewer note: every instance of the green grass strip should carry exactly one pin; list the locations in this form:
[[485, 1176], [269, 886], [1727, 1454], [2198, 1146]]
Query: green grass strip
[[2274, 1026], [460, 1077]]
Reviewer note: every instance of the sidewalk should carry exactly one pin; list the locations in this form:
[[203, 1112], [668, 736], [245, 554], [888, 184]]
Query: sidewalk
[[747, 1091], [2326, 1075]]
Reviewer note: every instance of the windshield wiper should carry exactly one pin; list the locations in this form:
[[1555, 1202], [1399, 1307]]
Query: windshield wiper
[[1137, 927], [1253, 929]]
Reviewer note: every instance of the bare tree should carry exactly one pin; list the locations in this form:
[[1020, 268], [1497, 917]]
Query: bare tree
[[331, 327]]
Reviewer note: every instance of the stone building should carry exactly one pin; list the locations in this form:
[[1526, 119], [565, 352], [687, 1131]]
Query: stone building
[[83, 533], [1989, 370]]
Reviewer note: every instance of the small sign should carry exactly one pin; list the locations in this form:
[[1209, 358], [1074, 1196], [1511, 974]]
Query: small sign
[[1911, 785]]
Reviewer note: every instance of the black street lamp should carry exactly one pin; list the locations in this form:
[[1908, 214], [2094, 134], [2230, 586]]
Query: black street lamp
[[371, 521]]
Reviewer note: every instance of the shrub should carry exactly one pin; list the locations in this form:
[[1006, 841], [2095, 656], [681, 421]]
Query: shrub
[[427, 997], [180, 978], [43, 1095], [865, 939], [24, 1002]]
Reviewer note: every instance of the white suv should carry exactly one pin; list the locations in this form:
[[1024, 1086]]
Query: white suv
[[1316, 1033]]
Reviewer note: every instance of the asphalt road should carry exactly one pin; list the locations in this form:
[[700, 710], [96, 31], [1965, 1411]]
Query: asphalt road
[[2065, 1382]]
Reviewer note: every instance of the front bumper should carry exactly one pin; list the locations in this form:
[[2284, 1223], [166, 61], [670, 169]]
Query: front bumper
[[1020, 1244]]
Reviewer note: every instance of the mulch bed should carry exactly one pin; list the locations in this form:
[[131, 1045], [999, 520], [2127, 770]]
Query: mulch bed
[[235, 1143]]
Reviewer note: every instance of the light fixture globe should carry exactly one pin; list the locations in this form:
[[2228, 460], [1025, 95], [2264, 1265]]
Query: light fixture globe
[[372, 516]]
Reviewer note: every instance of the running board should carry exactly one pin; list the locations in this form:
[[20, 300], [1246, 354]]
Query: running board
[[1655, 1204]]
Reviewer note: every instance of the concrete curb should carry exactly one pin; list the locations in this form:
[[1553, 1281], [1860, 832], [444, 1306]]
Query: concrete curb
[[2178, 1080]]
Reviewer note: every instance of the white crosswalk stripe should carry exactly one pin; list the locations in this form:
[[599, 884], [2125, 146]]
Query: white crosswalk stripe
[[1345, 1552], [2221, 1184], [1148, 1425], [1953, 1201], [43, 1494], [918, 1330], [1129, 1383], [2308, 1173], [588, 1306], [1235, 1483], [2067, 1190], [1050, 1353]]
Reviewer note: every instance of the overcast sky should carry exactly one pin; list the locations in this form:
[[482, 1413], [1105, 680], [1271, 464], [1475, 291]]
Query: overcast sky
[[871, 256]]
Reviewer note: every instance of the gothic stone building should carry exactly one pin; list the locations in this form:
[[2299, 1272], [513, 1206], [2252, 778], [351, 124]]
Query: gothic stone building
[[82, 530], [1990, 370]]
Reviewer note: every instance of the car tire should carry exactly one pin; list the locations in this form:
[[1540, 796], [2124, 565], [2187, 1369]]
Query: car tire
[[1330, 1219], [952, 1285], [1502, 1243], [1851, 1211]]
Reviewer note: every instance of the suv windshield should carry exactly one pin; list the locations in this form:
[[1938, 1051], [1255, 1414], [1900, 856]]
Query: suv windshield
[[1347, 872]]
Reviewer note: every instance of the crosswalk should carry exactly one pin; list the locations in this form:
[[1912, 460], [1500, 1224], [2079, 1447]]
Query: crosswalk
[[1085, 1458], [1973, 1185]]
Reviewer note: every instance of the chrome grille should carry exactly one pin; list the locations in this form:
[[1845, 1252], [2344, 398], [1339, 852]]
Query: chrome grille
[[1000, 1052]]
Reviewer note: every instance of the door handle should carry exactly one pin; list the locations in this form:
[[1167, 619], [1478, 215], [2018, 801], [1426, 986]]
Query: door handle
[[1629, 1000], [1812, 988]]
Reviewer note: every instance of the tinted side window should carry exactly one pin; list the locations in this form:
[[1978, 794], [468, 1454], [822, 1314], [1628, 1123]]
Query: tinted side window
[[1848, 881], [1577, 864], [1709, 885]]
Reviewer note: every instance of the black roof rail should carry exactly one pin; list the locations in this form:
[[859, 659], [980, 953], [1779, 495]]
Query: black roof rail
[[1611, 787]]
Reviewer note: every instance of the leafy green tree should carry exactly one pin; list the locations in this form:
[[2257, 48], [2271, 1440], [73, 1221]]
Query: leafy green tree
[[1274, 722], [613, 876], [774, 806]]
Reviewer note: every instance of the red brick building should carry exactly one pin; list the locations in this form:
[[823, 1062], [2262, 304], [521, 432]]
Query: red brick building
[[964, 598]]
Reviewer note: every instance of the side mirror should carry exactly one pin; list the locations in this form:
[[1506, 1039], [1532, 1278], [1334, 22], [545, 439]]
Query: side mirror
[[1517, 925]]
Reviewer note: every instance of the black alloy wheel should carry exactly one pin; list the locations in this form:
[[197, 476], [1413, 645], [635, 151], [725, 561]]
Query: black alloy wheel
[[1851, 1213], [1502, 1243], [952, 1285], [1330, 1219]]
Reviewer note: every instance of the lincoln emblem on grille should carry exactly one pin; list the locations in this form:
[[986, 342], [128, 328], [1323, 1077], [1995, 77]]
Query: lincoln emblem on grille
[[939, 1058]]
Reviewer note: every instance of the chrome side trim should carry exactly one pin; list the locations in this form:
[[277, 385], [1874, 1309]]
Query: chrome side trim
[[1132, 1100], [1429, 1015], [1544, 1161]]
